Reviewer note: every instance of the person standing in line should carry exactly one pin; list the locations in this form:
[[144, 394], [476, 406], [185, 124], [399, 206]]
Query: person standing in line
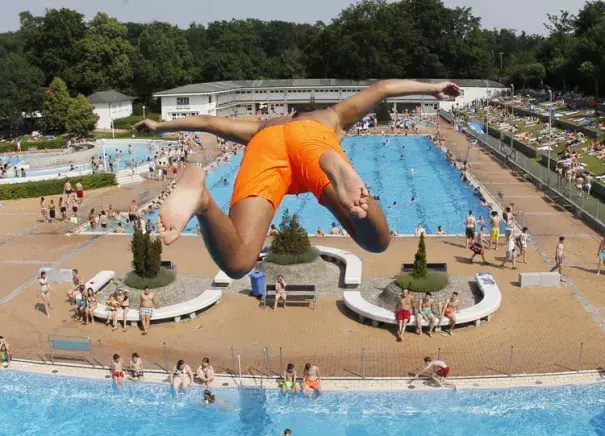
[[511, 255], [494, 234], [43, 209], [522, 240], [470, 224], [559, 256]]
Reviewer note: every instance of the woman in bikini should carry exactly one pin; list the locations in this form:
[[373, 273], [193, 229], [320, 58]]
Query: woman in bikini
[[43, 209], [125, 305], [45, 289], [117, 371], [181, 377], [62, 209], [91, 305], [280, 291], [112, 315], [311, 380], [289, 383]]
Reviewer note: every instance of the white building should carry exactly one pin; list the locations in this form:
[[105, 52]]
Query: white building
[[110, 105], [248, 96]]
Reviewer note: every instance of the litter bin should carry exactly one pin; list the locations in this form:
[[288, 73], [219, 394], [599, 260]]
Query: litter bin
[[259, 287]]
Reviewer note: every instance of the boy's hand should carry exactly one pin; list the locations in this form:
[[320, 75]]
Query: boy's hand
[[146, 125], [445, 90]]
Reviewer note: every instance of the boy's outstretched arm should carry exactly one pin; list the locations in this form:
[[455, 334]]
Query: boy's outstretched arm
[[354, 108], [239, 131]]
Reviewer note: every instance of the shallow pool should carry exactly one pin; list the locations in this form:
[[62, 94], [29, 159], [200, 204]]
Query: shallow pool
[[51, 405], [141, 151]]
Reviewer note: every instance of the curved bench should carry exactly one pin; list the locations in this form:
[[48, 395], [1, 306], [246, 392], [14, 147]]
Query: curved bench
[[101, 279], [175, 311], [492, 298], [351, 261]]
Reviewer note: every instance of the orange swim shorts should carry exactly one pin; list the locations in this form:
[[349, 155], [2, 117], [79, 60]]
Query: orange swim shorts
[[284, 159]]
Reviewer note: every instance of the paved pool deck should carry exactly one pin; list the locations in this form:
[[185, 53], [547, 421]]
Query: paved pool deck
[[542, 330]]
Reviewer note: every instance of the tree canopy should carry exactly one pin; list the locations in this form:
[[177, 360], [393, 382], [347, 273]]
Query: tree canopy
[[370, 39]]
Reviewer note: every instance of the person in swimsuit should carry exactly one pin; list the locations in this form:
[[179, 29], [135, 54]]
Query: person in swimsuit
[[494, 233], [181, 377], [71, 201], [92, 219], [111, 214], [5, 352], [280, 291], [425, 312], [450, 308], [91, 305], [509, 220], [289, 383], [478, 248], [45, 289], [67, 188], [62, 209], [205, 372], [79, 192], [311, 380], [52, 211], [601, 255], [44, 209], [521, 242], [146, 309], [511, 248], [135, 367], [117, 371], [80, 302], [438, 370], [123, 298], [559, 256], [103, 221], [470, 224], [112, 315], [403, 312], [287, 155]]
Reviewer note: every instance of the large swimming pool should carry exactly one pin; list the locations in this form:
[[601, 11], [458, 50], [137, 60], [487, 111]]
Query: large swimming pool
[[441, 199], [51, 405]]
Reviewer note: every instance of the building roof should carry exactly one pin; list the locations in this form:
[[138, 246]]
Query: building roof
[[107, 97], [212, 87]]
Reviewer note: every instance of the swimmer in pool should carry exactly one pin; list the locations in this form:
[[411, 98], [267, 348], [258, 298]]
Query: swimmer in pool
[[288, 155]]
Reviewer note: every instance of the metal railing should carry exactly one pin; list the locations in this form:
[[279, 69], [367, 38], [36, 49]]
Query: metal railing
[[562, 192]]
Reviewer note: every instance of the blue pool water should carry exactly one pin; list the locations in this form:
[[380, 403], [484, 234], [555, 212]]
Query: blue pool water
[[140, 152], [52, 405], [441, 198]]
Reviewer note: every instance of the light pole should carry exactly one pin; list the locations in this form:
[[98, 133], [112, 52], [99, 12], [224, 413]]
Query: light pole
[[143, 111], [501, 63], [113, 133], [549, 131]]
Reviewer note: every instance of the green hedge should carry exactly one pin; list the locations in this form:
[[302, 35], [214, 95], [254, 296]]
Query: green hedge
[[127, 122], [435, 281], [54, 187], [51, 144]]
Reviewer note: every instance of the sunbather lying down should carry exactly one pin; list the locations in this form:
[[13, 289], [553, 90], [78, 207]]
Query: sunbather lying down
[[283, 156]]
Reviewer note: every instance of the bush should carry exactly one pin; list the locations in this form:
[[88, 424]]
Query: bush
[[292, 244], [146, 254], [163, 278], [54, 187], [420, 270], [51, 144], [127, 122], [292, 259], [433, 282]]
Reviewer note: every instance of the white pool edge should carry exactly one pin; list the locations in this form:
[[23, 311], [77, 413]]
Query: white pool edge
[[334, 384]]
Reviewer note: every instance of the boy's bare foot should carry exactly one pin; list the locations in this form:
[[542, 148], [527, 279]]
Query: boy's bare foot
[[351, 192], [188, 198]]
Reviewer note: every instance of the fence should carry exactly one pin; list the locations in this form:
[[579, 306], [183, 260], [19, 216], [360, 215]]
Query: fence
[[373, 360], [561, 192]]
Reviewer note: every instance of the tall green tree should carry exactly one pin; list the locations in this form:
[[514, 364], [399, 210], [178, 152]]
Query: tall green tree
[[104, 56], [20, 88], [81, 118], [57, 104]]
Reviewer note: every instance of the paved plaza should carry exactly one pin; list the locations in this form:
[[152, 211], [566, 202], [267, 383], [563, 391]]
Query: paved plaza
[[545, 326]]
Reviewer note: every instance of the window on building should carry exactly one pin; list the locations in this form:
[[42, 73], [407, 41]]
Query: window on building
[[210, 98], [182, 101]]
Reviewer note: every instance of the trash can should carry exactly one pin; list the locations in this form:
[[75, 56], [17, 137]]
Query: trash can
[[257, 280]]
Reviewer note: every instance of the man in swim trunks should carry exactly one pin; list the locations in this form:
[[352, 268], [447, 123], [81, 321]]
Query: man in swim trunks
[[289, 383], [403, 312], [146, 309], [438, 370], [425, 312], [559, 256], [283, 156], [450, 308], [311, 380], [470, 224], [494, 233], [117, 371]]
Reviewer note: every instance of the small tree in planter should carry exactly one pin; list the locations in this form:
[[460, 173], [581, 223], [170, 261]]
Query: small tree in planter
[[147, 268], [292, 244], [420, 270]]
